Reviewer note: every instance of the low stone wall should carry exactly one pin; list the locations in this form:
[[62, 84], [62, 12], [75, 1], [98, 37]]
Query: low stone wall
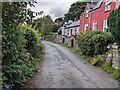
[[50, 37], [113, 57]]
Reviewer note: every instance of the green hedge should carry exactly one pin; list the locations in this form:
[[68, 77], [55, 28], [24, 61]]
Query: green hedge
[[33, 40], [21, 48], [94, 42]]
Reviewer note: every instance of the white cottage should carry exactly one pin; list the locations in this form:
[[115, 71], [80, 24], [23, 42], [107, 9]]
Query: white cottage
[[69, 32]]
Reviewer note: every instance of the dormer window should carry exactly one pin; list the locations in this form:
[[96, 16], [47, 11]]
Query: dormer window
[[86, 13], [107, 5]]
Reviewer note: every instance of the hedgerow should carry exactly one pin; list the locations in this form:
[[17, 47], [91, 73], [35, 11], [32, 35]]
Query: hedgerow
[[94, 42], [21, 44], [33, 42], [19, 61]]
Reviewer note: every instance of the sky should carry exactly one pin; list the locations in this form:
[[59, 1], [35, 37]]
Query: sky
[[54, 8]]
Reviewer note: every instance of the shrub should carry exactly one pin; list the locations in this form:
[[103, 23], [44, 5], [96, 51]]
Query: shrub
[[94, 42], [33, 42]]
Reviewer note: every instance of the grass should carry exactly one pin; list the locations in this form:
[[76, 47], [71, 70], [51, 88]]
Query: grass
[[96, 61], [114, 72]]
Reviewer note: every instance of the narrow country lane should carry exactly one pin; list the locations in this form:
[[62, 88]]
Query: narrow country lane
[[63, 69]]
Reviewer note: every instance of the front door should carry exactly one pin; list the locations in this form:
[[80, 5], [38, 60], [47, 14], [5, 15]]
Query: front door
[[63, 41], [72, 43]]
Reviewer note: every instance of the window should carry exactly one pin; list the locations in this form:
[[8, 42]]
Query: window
[[68, 32], [107, 5], [86, 13], [94, 25], [71, 32], [105, 28], [85, 27], [75, 32]]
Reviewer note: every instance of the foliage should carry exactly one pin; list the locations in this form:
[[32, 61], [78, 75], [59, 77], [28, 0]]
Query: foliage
[[75, 11], [114, 24], [59, 20], [37, 24], [94, 42], [59, 32], [33, 42], [55, 27], [17, 63], [46, 25]]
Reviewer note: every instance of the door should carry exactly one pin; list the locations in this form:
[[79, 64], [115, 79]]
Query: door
[[72, 43]]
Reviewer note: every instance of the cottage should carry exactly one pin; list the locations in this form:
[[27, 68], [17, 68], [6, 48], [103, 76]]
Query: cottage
[[96, 14], [70, 31], [64, 31]]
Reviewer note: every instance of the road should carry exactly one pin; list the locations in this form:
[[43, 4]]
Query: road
[[62, 69]]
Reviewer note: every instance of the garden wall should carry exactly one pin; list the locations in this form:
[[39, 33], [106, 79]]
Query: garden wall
[[113, 56]]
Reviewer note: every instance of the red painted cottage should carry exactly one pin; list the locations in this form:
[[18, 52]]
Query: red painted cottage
[[96, 14]]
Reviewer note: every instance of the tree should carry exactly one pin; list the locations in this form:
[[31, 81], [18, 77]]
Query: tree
[[46, 25], [59, 20], [55, 27], [37, 24], [75, 10], [114, 24]]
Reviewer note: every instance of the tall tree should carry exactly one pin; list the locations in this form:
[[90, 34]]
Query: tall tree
[[114, 24], [37, 24], [55, 27], [75, 10], [59, 20], [46, 25]]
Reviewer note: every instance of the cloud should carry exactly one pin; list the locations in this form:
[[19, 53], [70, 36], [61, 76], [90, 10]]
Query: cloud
[[54, 8], [59, 10]]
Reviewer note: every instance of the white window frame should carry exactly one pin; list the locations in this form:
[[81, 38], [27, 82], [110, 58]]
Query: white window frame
[[94, 27], [105, 27], [71, 32], [85, 27], [86, 13]]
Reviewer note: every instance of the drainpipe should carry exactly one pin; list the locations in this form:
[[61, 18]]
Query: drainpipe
[[83, 22], [89, 21]]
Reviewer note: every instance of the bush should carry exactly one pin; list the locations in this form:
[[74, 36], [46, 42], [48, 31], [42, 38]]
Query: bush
[[94, 42], [17, 62], [33, 42]]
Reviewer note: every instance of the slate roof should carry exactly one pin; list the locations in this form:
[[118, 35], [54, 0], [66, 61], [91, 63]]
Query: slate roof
[[74, 24], [92, 5], [98, 5]]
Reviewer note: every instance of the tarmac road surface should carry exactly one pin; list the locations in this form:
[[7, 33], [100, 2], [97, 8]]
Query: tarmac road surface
[[62, 69]]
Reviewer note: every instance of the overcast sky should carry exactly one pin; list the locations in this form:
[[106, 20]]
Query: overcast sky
[[54, 8]]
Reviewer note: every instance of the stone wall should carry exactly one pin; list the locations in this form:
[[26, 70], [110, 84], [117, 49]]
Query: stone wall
[[116, 59], [112, 56]]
